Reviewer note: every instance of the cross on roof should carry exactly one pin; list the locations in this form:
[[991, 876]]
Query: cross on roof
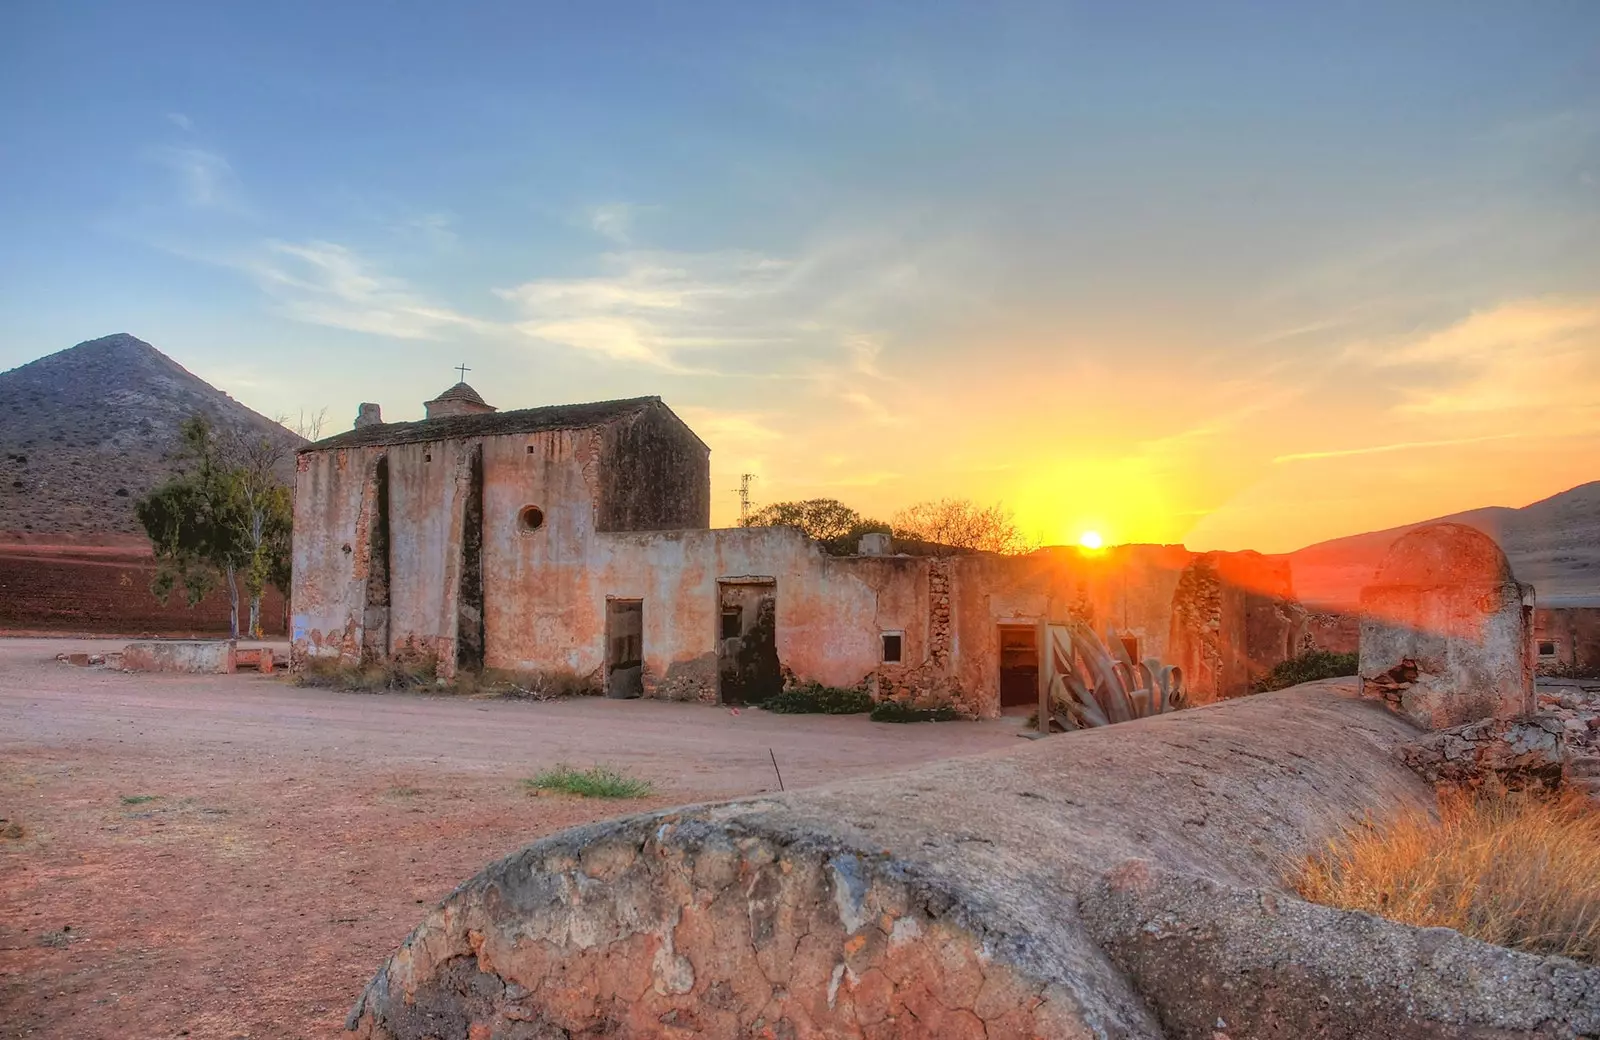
[[463, 369]]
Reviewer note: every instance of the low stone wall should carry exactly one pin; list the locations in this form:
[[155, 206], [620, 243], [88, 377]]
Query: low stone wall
[[205, 657], [1123, 882]]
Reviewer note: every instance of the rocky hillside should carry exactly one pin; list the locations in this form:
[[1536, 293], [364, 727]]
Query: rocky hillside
[[1553, 544], [86, 431]]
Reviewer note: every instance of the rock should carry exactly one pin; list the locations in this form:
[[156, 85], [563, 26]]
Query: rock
[[1118, 882]]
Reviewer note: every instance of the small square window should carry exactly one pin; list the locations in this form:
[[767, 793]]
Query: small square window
[[1547, 648], [732, 622], [892, 647]]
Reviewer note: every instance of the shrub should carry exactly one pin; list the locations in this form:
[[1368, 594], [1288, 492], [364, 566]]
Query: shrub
[[1516, 870], [1307, 667], [894, 711], [816, 699], [372, 677], [598, 782], [532, 686]]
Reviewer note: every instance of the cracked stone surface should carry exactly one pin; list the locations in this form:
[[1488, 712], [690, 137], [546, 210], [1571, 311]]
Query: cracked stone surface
[[1124, 882]]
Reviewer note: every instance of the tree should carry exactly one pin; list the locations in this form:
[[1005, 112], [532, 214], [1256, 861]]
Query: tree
[[267, 512], [963, 524], [197, 524], [827, 520]]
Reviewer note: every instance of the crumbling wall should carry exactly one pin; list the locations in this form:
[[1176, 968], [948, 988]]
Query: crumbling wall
[[1575, 631], [1234, 617], [1446, 629], [1124, 882]]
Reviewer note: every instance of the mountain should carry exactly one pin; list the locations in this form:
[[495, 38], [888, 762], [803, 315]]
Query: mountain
[[1553, 544], [86, 431]]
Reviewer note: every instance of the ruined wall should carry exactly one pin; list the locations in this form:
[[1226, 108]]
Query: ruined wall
[[545, 567], [1575, 631], [655, 474], [1234, 617]]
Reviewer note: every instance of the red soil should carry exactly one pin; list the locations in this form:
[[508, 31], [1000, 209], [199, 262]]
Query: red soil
[[76, 585], [293, 836]]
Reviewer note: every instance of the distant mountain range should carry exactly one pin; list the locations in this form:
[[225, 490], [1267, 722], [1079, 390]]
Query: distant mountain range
[[1553, 544], [88, 430]]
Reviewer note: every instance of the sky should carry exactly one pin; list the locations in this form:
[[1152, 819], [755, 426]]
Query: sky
[[1240, 275]]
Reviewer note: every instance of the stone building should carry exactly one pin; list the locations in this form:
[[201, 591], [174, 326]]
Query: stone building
[[1566, 637], [1447, 630], [576, 539]]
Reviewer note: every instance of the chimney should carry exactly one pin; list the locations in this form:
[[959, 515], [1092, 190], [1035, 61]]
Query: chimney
[[370, 415], [874, 543]]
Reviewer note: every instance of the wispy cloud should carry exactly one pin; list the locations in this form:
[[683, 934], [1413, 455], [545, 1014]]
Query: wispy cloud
[[181, 121], [654, 307], [1384, 449], [324, 283], [614, 221], [205, 178], [1525, 354]]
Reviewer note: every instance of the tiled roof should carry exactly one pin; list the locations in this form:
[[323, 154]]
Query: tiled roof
[[460, 392], [488, 424]]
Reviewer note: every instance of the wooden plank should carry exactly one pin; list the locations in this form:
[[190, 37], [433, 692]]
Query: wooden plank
[[1046, 670]]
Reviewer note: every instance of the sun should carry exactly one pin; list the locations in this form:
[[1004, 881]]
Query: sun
[[1091, 540]]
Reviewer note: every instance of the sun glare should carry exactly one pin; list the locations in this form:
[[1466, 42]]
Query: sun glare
[[1091, 540]]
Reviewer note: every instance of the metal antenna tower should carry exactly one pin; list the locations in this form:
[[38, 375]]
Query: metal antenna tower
[[744, 496]]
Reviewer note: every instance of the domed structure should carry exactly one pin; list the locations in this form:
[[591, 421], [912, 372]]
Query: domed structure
[[460, 399], [1444, 554], [1447, 630]]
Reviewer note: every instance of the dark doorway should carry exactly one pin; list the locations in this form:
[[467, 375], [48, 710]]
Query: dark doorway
[[1019, 666], [747, 645], [624, 648]]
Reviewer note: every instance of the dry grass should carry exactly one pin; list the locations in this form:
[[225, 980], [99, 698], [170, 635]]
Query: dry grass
[[1519, 871]]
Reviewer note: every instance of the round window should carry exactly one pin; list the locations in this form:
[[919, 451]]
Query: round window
[[531, 518]]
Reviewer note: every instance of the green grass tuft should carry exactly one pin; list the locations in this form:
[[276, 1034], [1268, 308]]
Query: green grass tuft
[[598, 782], [893, 711], [138, 799], [817, 699]]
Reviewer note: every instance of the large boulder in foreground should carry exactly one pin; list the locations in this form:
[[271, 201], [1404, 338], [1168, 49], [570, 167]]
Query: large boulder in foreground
[[1120, 883]]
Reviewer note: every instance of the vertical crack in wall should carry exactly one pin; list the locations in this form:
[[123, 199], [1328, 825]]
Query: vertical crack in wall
[[375, 617], [469, 604]]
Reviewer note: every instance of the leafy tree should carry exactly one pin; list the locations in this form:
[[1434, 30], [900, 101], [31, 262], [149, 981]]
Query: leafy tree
[[225, 519], [963, 524], [827, 520], [196, 523]]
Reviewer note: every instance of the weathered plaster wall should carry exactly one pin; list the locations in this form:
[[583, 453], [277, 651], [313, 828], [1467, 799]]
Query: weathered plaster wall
[[334, 508], [1576, 633], [655, 474], [427, 483]]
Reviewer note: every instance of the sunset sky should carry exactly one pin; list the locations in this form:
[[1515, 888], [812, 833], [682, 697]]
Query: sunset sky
[[1237, 275]]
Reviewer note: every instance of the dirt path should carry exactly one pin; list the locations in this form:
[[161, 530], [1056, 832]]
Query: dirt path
[[233, 856]]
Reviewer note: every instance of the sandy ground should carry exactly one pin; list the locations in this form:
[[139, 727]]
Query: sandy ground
[[234, 856]]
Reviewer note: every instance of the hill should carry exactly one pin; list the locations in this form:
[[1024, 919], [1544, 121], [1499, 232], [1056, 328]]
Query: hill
[[88, 430], [1553, 544]]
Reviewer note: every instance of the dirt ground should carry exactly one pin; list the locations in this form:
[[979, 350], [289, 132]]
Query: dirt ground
[[233, 856]]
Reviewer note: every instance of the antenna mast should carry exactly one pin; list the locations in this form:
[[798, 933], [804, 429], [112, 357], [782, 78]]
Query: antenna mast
[[744, 496]]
